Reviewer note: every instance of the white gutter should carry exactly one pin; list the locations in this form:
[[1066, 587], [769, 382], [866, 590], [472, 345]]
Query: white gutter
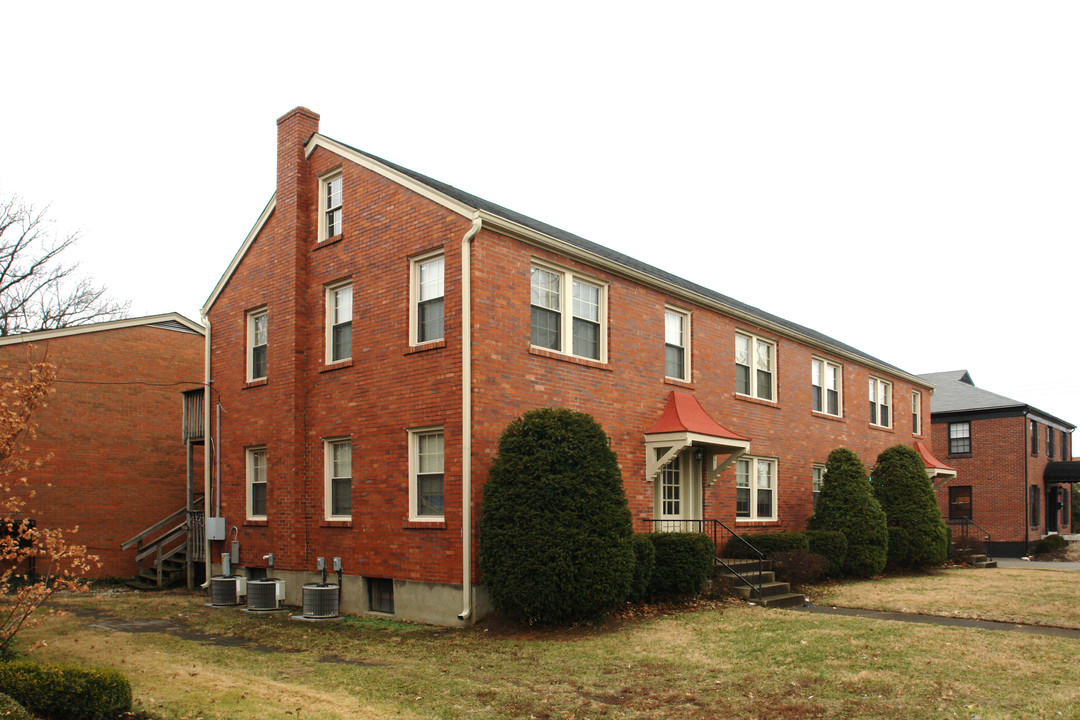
[[206, 448], [466, 418]]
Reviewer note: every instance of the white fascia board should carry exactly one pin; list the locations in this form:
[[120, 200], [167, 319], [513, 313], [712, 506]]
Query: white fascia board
[[389, 173], [29, 337], [254, 233], [539, 239]]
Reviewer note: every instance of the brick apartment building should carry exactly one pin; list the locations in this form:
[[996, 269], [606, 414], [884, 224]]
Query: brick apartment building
[[1013, 464], [378, 329], [112, 426]]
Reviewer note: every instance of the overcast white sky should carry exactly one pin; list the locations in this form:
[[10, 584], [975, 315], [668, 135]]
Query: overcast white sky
[[901, 176]]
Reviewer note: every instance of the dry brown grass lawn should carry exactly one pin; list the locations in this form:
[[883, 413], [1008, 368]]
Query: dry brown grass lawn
[[1036, 597]]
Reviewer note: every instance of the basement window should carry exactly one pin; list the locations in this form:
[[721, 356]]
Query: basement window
[[380, 595]]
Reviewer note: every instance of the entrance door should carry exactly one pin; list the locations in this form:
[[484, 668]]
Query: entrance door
[[678, 498]]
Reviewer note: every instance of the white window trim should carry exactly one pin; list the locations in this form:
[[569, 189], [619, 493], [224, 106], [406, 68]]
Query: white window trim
[[328, 473], [754, 339], [687, 371], [566, 290], [916, 410], [328, 303], [249, 477], [754, 517], [813, 468], [414, 296], [250, 343], [826, 364], [414, 468], [323, 181], [888, 402]]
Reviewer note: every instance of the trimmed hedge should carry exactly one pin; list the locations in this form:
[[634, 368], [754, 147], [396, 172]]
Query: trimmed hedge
[[684, 563], [11, 710], [66, 692], [847, 505], [554, 526], [1050, 543], [644, 565], [799, 567], [831, 545], [769, 543], [917, 535]]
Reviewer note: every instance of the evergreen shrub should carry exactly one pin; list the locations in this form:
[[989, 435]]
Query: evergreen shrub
[[555, 528], [684, 563], [847, 505], [63, 692], [831, 545], [644, 564], [917, 534], [1050, 543], [799, 567], [11, 710], [769, 543]]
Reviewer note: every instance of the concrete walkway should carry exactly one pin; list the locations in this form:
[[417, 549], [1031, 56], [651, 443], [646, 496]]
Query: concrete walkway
[[942, 621], [1031, 565]]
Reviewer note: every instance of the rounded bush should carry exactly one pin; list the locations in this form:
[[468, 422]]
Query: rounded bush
[[799, 567], [644, 564], [1049, 544], [917, 534], [11, 710], [63, 692], [555, 529], [847, 505], [831, 545], [769, 543], [684, 563]]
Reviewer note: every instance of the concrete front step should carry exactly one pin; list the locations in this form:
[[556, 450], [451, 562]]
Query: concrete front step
[[985, 564], [786, 600], [768, 589], [980, 561], [750, 577]]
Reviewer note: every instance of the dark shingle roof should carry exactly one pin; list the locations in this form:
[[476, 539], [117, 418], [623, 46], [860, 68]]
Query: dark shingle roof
[[955, 392], [624, 260]]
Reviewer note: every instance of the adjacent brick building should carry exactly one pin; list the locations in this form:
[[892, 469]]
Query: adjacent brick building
[[1013, 464], [112, 427], [378, 329]]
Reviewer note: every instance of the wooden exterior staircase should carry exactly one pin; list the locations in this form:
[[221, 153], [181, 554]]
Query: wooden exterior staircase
[[166, 551]]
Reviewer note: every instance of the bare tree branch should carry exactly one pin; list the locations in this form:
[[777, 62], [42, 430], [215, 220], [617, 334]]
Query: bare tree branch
[[38, 290]]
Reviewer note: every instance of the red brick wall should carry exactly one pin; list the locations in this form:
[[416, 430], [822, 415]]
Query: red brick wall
[[118, 463]]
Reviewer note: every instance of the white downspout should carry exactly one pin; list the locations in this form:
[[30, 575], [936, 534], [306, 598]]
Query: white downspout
[[206, 449], [466, 418]]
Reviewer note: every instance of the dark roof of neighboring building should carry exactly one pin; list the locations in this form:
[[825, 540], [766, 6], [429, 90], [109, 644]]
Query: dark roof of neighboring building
[[167, 321], [954, 391], [617, 257]]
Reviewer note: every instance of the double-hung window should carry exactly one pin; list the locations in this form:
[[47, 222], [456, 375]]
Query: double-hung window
[[959, 438], [339, 312], [916, 412], [677, 344], [330, 206], [818, 481], [827, 379], [426, 486], [755, 366], [1049, 442], [338, 481], [880, 393], [256, 345], [256, 483], [568, 313], [755, 489], [1034, 439], [428, 305]]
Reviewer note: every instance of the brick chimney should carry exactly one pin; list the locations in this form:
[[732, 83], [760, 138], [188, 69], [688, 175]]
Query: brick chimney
[[293, 189]]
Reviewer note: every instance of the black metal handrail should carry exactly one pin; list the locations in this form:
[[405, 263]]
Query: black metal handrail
[[721, 536], [966, 523]]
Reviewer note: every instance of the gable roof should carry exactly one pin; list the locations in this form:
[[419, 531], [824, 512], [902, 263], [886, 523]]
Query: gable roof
[[169, 321], [954, 391], [540, 233]]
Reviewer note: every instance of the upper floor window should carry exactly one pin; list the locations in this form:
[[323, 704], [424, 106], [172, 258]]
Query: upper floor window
[[428, 304], [880, 402], [426, 474], [256, 483], [755, 489], [916, 412], [338, 478], [330, 207], [959, 438], [571, 323], [1034, 437], [256, 344], [960, 502], [339, 322], [676, 344], [1049, 441], [755, 367], [818, 481], [826, 378], [1065, 446]]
